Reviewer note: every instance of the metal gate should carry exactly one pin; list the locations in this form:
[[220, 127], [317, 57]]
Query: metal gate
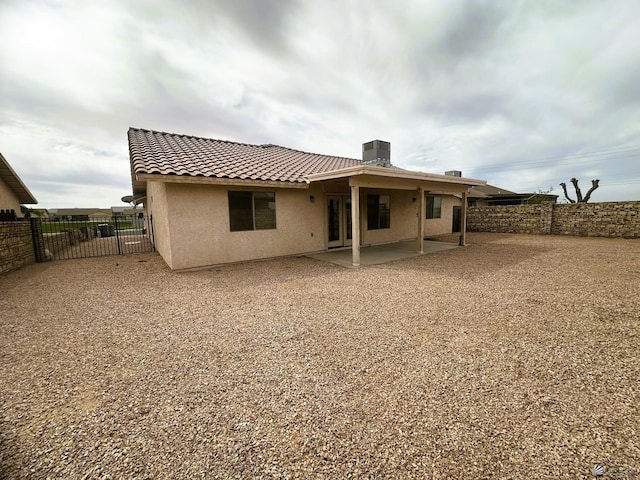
[[83, 237]]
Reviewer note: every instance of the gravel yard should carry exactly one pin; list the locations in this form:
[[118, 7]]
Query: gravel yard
[[515, 357]]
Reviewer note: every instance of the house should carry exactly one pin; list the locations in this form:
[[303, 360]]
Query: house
[[489, 195], [13, 192], [215, 201], [126, 211], [79, 214]]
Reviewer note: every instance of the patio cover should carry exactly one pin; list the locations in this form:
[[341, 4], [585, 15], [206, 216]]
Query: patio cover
[[368, 176]]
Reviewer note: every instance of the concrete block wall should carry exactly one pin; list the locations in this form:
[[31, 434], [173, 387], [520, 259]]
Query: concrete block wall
[[16, 245], [508, 219], [603, 219], [606, 219]]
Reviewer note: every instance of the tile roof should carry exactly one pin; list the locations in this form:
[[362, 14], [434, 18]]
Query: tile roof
[[172, 154]]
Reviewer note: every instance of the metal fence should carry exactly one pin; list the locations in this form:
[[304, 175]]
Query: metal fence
[[73, 237]]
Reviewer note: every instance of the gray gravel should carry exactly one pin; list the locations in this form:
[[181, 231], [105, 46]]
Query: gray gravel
[[516, 357]]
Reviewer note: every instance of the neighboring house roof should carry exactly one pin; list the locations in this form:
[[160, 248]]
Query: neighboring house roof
[[11, 179], [161, 153], [126, 210], [499, 196], [482, 191], [68, 212]]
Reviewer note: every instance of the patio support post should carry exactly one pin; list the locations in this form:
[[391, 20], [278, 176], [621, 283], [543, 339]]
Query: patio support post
[[463, 220], [421, 215], [355, 225]]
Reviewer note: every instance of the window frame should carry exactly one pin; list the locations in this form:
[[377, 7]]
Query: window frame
[[239, 214], [433, 211], [381, 219]]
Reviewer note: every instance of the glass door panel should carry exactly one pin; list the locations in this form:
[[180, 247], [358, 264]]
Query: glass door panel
[[334, 207], [347, 220]]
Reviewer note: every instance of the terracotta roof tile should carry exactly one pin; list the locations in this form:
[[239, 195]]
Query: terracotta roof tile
[[173, 154]]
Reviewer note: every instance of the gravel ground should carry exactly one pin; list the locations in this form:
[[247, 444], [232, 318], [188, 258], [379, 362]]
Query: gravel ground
[[515, 357]]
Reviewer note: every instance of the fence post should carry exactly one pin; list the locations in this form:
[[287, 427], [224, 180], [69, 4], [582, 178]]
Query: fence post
[[115, 219], [38, 239], [153, 233]]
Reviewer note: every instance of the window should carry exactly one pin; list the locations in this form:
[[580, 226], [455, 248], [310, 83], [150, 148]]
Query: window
[[252, 211], [378, 212], [434, 206]]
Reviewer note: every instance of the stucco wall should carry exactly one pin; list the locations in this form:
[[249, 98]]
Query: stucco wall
[[8, 199], [200, 233], [604, 219], [442, 225], [16, 245], [156, 206], [191, 223], [403, 217]]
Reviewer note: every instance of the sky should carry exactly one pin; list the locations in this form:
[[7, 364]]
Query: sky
[[522, 94]]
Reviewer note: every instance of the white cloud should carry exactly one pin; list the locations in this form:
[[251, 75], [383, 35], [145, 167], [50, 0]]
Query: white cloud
[[453, 85]]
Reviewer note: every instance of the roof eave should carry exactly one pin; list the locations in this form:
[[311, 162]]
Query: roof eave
[[142, 178], [392, 173], [11, 178]]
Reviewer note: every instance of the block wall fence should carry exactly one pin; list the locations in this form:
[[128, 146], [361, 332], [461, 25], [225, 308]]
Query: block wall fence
[[22, 243], [603, 219], [16, 245]]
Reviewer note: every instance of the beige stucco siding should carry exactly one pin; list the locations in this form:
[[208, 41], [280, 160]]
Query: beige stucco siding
[[192, 230], [158, 210], [8, 199], [403, 217], [200, 235], [442, 225]]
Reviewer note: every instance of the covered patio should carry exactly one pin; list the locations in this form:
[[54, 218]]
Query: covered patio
[[354, 183], [379, 254]]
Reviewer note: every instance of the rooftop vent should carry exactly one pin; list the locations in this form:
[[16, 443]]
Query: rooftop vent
[[376, 153], [453, 173]]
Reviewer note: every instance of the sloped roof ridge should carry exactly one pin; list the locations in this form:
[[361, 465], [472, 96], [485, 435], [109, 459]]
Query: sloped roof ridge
[[264, 145], [196, 137], [267, 145]]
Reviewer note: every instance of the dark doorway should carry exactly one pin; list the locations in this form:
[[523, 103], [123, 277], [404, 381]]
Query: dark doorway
[[457, 215]]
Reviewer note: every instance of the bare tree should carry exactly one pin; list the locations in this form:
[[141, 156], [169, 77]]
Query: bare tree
[[579, 198]]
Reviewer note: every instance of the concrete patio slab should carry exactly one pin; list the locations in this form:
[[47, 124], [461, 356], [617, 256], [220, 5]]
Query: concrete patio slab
[[378, 254]]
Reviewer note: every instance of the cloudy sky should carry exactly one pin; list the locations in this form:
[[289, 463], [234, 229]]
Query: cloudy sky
[[523, 94]]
